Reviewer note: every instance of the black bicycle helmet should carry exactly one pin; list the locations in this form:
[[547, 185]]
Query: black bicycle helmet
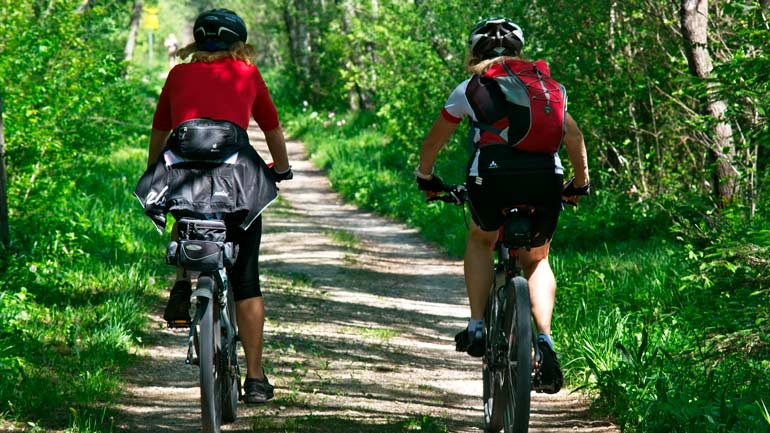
[[493, 37], [218, 29]]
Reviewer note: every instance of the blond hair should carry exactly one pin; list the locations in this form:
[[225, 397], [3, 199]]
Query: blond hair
[[237, 51], [478, 66]]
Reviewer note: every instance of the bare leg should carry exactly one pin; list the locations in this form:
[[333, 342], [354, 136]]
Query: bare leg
[[479, 262], [542, 285], [251, 321]]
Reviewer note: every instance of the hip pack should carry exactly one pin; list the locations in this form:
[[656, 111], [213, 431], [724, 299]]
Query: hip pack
[[207, 139], [518, 103]]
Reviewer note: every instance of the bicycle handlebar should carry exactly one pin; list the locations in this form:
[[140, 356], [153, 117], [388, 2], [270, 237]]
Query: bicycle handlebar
[[458, 195]]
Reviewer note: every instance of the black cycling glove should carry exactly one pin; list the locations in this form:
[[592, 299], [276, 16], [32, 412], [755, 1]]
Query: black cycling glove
[[434, 184], [281, 175], [570, 190]]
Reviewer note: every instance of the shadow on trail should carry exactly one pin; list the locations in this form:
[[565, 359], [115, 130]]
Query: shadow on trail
[[304, 309], [335, 424]]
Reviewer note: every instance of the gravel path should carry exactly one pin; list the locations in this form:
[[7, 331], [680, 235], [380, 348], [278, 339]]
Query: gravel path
[[361, 315]]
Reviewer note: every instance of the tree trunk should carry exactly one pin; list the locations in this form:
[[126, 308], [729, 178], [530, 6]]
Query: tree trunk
[[4, 231], [694, 20], [316, 18], [133, 30], [296, 16], [348, 16]]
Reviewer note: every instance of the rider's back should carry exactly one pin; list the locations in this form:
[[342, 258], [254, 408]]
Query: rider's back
[[225, 89]]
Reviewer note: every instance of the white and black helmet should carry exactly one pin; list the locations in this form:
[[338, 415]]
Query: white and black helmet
[[217, 29], [493, 37]]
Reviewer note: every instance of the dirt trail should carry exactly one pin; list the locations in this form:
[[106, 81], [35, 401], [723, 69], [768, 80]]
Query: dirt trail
[[361, 315]]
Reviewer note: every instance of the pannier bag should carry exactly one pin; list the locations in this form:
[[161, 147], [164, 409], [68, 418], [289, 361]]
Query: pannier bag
[[201, 246], [207, 139]]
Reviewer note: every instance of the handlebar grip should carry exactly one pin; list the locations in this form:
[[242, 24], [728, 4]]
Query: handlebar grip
[[570, 190]]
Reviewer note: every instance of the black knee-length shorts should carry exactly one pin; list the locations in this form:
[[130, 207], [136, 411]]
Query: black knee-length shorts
[[506, 186], [244, 275]]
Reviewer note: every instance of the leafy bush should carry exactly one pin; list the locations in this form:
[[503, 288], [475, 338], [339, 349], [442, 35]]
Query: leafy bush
[[78, 275]]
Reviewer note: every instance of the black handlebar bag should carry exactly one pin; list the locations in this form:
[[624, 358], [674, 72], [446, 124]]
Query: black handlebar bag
[[207, 139]]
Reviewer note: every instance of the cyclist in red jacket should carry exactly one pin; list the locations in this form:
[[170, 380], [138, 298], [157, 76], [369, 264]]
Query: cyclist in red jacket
[[500, 175], [222, 83]]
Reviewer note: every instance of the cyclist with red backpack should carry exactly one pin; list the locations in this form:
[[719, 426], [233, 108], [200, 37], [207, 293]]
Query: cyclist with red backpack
[[519, 120]]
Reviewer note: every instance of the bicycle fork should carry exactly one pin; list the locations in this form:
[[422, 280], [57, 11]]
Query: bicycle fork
[[203, 293]]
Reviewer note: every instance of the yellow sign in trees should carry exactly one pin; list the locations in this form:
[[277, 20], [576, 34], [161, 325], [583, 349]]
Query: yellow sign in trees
[[150, 19]]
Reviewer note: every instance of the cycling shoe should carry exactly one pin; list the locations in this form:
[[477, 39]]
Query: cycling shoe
[[548, 376], [472, 345], [177, 312]]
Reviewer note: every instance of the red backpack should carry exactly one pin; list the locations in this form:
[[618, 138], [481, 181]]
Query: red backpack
[[517, 102]]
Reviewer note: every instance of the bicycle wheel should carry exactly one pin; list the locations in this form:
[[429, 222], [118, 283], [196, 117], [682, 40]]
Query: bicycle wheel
[[518, 385], [511, 383], [209, 334], [230, 371]]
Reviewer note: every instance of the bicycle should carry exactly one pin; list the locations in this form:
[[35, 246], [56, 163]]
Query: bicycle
[[213, 337], [507, 369]]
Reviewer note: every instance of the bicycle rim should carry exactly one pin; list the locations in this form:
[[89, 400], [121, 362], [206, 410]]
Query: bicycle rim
[[230, 374], [517, 383], [210, 386]]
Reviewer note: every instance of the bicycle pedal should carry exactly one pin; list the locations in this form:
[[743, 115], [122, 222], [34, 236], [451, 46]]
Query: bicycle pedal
[[176, 324]]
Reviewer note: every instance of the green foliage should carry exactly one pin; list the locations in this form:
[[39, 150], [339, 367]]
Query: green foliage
[[78, 276]]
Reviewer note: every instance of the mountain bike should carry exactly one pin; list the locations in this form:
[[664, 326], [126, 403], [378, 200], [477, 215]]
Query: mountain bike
[[213, 337], [507, 368]]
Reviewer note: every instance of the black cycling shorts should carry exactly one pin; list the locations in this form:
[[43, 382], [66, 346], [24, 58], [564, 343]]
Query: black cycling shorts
[[506, 178], [244, 275]]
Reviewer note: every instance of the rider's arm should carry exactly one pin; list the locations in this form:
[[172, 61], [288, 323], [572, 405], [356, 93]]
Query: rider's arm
[[157, 141], [576, 150], [276, 144], [436, 139]]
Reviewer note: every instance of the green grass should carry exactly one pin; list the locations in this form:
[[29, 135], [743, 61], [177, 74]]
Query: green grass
[[82, 270], [379, 334], [73, 302], [343, 237]]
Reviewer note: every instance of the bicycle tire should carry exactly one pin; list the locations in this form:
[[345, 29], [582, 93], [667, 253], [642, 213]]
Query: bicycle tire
[[211, 414], [512, 384], [231, 373], [519, 385]]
